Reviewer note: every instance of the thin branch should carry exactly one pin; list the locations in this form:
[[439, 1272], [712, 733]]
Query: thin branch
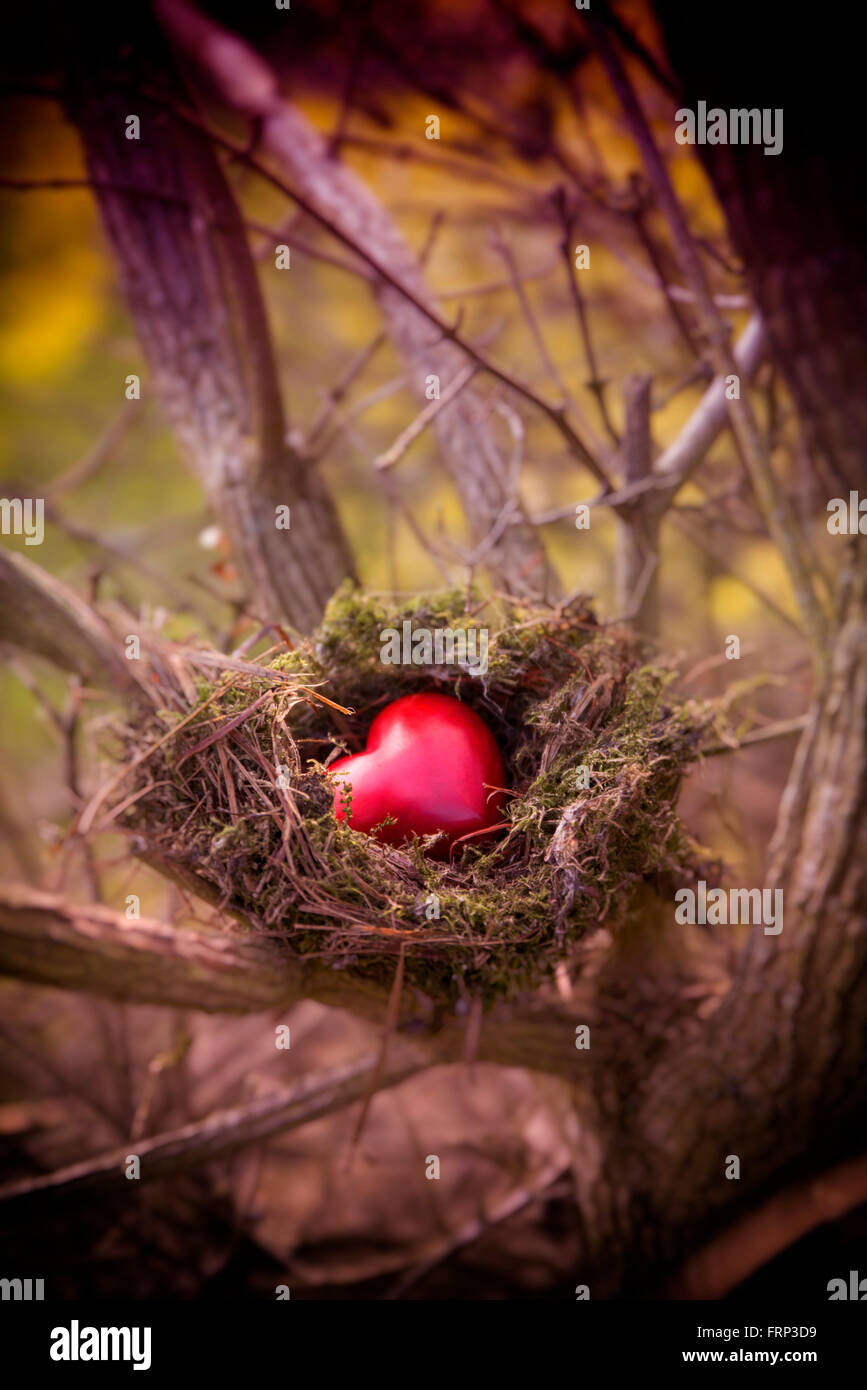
[[336, 393], [494, 286], [721, 557], [517, 283], [596, 383], [513, 1203], [783, 728], [772, 500], [421, 421], [96, 458], [221, 1133], [222, 56], [680, 320]]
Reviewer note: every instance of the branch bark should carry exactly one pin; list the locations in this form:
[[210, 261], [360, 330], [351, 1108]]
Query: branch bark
[[709, 419], [41, 615], [88, 947], [49, 941], [191, 286]]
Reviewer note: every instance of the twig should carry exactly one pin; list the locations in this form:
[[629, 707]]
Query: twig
[[336, 393], [352, 74], [102, 451], [555, 413], [595, 384], [671, 299], [474, 1229], [422, 420], [494, 286], [475, 173], [706, 545], [782, 729], [517, 283], [392, 1014]]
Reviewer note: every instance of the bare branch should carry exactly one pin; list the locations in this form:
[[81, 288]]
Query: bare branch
[[45, 939], [40, 615], [596, 384], [96, 458], [637, 557], [225, 1131], [710, 416], [779, 516], [421, 422], [783, 728]]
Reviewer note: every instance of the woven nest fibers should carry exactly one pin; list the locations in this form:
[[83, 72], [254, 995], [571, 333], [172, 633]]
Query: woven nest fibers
[[237, 795]]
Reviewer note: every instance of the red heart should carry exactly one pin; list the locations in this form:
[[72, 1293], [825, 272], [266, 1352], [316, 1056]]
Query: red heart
[[430, 764]]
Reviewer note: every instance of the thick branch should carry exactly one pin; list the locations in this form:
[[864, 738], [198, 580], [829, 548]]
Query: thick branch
[[47, 940], [39, 614], [191, 286]]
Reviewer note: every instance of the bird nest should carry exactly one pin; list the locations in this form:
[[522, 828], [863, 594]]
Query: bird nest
[[236, 796]]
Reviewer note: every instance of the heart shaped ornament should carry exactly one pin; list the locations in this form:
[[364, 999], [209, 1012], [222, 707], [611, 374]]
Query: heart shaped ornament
[[430, 764]]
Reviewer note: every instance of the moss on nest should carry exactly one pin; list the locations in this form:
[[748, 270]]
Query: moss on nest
[[560, 693]]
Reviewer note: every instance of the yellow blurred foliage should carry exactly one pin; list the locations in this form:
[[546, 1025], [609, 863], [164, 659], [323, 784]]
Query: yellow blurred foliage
[[53, 310]]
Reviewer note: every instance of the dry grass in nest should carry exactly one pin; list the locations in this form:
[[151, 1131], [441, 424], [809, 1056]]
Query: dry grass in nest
[[560, 693]]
